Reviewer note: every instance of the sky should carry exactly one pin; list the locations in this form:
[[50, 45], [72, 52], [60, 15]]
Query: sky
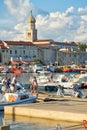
[[59, 20]]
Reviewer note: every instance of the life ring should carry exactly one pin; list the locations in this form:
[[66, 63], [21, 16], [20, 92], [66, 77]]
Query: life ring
[[85, 123], [15, 97]]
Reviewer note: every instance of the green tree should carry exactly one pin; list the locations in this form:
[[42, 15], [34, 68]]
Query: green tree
[[82, 46]]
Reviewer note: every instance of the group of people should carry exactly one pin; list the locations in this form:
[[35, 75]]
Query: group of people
[[8, 84]]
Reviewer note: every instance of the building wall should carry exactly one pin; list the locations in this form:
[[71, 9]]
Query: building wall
[[69, 58], [49, 55], [26, 53]]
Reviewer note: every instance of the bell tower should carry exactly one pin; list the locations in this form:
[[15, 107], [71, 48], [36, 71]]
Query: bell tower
[[31, 32]]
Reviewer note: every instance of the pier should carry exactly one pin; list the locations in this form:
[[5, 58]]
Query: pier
[[63, 109]]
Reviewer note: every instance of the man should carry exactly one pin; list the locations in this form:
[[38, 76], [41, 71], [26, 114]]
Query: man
[[13, 83]]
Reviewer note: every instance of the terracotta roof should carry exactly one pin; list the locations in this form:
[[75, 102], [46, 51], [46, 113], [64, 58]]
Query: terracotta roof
[[3, 47], [1, 43], [44, 40], [66, 43], [43, 45], [19, 43], [5, 44]]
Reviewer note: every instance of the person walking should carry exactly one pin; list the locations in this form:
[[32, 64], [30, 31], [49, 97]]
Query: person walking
[[4, 85], [13, 83], [51, 77], [35, 86]]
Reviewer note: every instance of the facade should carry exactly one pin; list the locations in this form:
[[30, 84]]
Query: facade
[[17, 50], [71, 57]]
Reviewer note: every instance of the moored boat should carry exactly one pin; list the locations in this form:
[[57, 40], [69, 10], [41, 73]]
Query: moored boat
[[16, 98]]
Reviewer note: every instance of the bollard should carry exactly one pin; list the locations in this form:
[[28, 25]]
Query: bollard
[[58, 127], [4, 127]]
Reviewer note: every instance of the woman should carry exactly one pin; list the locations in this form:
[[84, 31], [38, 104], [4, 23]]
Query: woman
[[35, 86]]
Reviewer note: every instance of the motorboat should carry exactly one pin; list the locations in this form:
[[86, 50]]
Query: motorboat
[[21, 97], [70, 80], [56, 88]]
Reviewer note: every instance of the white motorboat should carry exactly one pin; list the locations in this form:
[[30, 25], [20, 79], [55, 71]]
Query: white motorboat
[[21, 97], [56, 88]]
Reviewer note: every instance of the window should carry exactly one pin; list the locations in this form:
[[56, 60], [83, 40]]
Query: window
[[15, 51], [24, 52], [3, 50], [10, 51]]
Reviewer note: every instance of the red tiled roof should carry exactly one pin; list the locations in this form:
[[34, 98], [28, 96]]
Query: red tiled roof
[[65, 43], [44, 40], [43, 45], [19, 43], [24, 43], [3, 47], [1, 43]]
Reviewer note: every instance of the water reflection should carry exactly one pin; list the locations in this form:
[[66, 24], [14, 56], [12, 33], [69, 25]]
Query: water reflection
[[1, 116], [26, 123]]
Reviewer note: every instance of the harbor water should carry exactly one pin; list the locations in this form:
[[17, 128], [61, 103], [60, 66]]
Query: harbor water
[[26, 123]]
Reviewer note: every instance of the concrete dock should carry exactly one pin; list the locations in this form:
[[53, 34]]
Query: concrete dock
[[63, 109]]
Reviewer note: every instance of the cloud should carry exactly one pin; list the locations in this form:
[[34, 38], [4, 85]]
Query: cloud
[[81, 32], [21, 8], [57, 25], [18, 8], [70, 24]]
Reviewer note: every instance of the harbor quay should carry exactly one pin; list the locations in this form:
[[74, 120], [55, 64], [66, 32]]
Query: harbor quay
[[62, 109]]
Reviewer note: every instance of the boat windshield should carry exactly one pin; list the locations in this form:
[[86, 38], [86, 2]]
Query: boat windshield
[[83, 79]]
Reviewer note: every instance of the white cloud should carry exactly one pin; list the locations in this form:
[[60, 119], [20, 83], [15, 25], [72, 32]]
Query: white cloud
[[81, 32], [18, 8], [82, 11], [4, 34], [69, 11], [58, 26], [66, 25]]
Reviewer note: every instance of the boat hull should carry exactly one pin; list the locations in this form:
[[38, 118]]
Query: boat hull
[[31, 99]]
